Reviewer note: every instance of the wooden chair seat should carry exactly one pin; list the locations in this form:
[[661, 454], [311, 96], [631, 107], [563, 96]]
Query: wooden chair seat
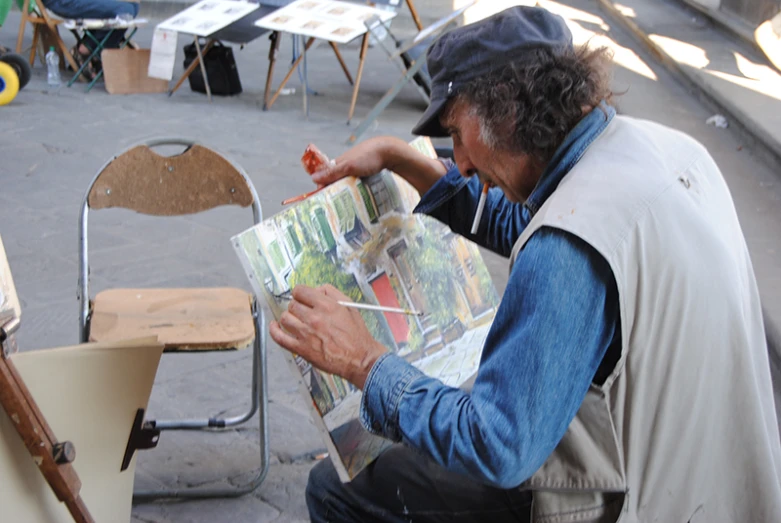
[[194, 319]]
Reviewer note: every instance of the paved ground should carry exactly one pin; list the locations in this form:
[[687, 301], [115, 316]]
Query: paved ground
[[724, 67], [53, 141]]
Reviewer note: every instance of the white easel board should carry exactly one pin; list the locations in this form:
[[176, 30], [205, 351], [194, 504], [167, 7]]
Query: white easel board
[[208, 16], [331, 20]]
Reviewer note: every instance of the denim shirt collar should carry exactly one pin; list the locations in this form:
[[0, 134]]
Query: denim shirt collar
[[569, 152]]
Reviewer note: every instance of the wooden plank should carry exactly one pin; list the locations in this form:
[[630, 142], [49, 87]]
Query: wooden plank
[[182, 319]]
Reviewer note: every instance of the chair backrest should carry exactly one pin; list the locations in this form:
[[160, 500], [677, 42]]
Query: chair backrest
[[141, 180], [146, 182]]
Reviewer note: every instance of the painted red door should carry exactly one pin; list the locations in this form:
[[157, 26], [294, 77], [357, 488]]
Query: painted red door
[[385, 295]]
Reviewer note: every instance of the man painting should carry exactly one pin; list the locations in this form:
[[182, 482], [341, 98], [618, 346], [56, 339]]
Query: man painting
[[625, 375]]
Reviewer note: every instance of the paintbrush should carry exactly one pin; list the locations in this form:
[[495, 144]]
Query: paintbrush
[[368, 307], [300, 197]]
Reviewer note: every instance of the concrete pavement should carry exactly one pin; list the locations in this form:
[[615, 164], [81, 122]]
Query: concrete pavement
[[730, 74], [52, 142]]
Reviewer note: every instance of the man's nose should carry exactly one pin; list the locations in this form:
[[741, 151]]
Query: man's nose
[[465, 166]]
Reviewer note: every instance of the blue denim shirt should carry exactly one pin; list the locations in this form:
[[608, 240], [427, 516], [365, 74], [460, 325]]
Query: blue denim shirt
[[556, 325]]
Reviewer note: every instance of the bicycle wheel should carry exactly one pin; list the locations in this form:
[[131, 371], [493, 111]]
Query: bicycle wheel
[[9, 83]]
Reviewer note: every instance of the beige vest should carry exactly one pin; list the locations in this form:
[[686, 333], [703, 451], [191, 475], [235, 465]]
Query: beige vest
[[684, 429]]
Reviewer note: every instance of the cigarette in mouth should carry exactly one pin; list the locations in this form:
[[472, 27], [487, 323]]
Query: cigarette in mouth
[[480, 207]]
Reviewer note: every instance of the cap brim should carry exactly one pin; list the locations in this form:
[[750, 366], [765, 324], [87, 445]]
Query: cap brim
[[429, 124]]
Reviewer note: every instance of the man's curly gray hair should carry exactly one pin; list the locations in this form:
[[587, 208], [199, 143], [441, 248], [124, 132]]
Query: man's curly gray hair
[[529, 107]]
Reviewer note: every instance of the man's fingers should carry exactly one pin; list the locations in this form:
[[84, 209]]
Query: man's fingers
[[300, 310], [293, 324], [334, 293], [329, 175], [283, 338], [309, 296]]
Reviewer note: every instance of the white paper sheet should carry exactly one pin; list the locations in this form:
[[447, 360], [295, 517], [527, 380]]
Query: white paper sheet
[[9, 301], [89, 395], [208, 16], [162, 56], [330, 20]]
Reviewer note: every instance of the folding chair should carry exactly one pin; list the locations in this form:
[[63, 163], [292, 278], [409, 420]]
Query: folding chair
[[42, 21], [191, 319]]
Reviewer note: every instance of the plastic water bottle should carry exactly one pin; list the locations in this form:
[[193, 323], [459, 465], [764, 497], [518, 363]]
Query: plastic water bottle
[[53, 67]]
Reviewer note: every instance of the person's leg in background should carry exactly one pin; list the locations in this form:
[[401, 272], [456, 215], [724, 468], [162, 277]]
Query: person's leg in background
[[402, 486], [120, 8], [97, 9]]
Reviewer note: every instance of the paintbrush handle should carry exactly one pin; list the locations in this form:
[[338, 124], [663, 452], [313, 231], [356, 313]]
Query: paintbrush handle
[[381, 308], [367, 307]]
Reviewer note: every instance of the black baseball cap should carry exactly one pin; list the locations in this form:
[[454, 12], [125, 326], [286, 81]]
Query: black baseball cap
[[468, 52]]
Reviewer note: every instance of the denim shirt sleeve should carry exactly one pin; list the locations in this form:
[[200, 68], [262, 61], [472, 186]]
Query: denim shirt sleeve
[[558, 317], [453, 201]]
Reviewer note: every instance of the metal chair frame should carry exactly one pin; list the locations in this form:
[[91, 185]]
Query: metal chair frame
[[259, 390]]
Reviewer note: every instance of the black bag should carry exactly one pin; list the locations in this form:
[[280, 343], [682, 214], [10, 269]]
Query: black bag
[[220, 68]]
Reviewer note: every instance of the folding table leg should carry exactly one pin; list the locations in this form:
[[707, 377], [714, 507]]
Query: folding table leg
[[386, 99], [305, 94], [203, 69], [22, 27], [341, 62], [122, 46], [272, 59], [191, 68], [414, 13], [364, 46], [36, 36], [87, 61], [290, 73]]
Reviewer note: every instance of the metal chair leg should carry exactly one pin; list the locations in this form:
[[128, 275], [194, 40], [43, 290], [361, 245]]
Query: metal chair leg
[[260, 404]]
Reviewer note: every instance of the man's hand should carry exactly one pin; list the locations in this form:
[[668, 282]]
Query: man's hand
[[365, 159], [383, 152], [331, 337]]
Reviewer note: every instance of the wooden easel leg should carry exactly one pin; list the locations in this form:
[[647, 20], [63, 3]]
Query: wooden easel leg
[[362, 60], [36, 35], [290, 72], [191, 68], [39, 439], [66, 54], [341, 62], [203, 69], [22, 27], [272, 59], [414, 13]]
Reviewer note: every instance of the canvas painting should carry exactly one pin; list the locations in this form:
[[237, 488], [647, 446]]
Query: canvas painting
[[9, 300], [361, 237]]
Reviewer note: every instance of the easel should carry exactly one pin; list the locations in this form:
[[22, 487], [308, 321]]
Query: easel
[[239, 31], [195, 63], [436, 29], [268, 99], [349, 29], [23, 495], [53, 457]]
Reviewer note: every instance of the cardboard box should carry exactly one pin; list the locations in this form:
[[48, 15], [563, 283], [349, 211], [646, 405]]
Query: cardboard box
[[125, 72]]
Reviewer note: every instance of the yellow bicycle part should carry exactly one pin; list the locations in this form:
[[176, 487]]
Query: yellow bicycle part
[[9, 83]]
